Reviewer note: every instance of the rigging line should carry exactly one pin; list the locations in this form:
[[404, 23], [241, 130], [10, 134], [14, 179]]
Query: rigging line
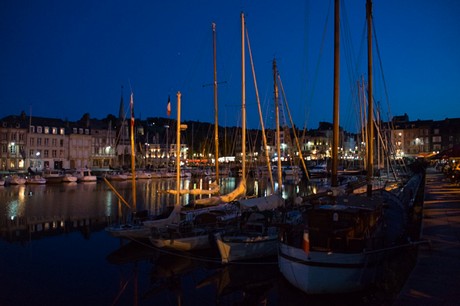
[[323, 41], [349, 60], [381, 69], [261, 121], [293, 128], [195, 63], [305, 80]]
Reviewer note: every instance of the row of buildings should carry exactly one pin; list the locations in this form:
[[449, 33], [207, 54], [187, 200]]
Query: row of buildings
[[40, 143]]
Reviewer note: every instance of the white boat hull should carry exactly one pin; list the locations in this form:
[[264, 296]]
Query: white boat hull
[[237, 248], [197, 242], [327, 272]]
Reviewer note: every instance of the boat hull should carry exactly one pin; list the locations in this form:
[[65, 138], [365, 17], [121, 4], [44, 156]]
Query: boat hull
[[327, 272], [197, 242], [243, 247]]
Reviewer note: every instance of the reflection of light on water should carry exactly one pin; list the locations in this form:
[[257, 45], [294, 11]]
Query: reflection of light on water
[[16, 207], [108, 203]]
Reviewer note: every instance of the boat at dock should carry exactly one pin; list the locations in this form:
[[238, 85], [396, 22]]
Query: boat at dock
[[345, 238]]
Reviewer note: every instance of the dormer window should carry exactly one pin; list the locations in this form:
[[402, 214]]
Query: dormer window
[[32, 129], [47, 130], [39, 129]]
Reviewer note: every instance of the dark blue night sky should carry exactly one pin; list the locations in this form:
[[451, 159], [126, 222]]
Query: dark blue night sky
[[65, 58]]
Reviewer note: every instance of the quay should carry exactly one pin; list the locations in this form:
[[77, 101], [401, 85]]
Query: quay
[[435, 278]]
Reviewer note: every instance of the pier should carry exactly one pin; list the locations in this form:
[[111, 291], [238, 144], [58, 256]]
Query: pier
[[436, 277]]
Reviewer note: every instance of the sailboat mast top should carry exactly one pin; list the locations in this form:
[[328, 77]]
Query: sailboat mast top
[[178, 148], [133, 152], [216, 109], [243, 99], [335, 137], [370, 115], [277, 116]]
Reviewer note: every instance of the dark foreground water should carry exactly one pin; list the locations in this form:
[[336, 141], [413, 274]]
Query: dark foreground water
[[54, 251]]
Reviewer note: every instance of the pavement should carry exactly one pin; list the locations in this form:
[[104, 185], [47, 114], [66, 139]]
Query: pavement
[[435, 279]]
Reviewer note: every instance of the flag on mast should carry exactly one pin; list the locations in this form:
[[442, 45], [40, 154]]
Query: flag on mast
[[168, 107]]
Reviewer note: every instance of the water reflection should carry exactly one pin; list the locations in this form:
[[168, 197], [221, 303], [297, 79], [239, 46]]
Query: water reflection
[[35, 208], [71, 218]]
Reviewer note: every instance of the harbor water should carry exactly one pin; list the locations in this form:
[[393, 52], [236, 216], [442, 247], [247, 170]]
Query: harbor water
[[54, 251]]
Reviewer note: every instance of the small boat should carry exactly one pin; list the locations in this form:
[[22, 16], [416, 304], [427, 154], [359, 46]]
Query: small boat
[[195, 229], [69, 178], [257, 237], [116, 176], [84, 175], [35, 179], [53, 175], [319, 170], [141, 227], [15, 180], [143, 175]]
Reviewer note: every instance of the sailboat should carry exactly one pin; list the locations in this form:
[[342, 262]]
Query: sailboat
[[257, 235], [193, 228], [345, 238], [140, 226]]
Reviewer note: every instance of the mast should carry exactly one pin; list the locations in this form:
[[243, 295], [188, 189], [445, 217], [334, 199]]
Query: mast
[[178, 149], [277, 116], [216, 116], [243, 101], [370, 119], [133, 153], [335, 137]]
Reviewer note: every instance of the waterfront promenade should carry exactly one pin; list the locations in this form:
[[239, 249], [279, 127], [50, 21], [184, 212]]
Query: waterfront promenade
[[435, 279]]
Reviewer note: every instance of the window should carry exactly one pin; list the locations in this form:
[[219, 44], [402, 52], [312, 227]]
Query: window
[[61, 153], [61, 131], [39, 141], [61, 142], [31, 153], [54, 130], [32, 129], [47, 130], [39, 129], [75, 130], [80, 131], [54, 153], [436, 131], [47, 142], [32, 141], [54, 142], [87, 131], [46, 154]]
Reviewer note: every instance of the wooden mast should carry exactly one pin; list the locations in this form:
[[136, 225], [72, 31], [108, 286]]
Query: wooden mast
[[216, 113], [335, 137], [243, 101], [178, 150], [133, 153], [370, 115], [277, 117]]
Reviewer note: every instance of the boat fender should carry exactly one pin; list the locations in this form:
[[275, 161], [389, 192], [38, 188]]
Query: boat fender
[[306, 242]]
